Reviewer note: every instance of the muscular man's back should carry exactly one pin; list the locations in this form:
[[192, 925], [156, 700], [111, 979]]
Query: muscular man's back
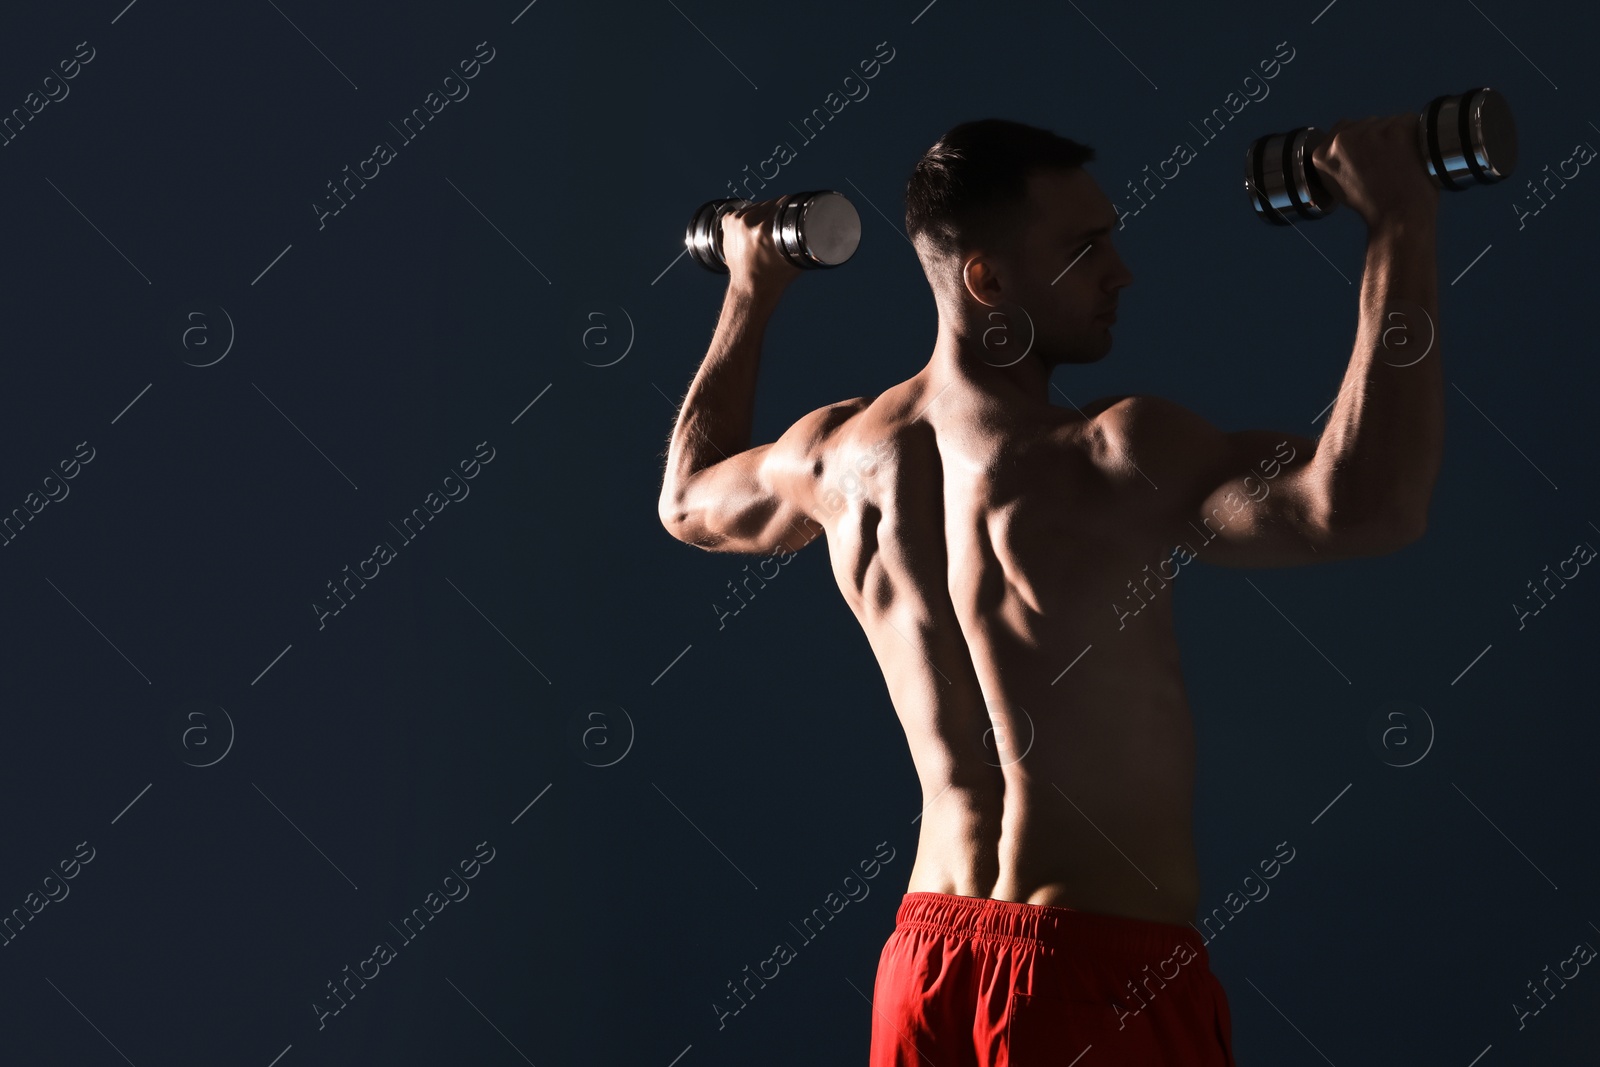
[[981, 546], [1008, 561]]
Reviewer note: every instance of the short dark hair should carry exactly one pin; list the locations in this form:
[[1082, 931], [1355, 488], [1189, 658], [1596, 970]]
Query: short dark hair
[[970, 187]]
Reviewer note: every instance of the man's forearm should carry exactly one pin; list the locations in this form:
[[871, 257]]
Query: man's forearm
[[1381, 449], [718, 412]]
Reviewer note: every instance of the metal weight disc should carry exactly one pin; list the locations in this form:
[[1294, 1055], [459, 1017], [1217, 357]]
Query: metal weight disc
[[1280, 180], [817, 229], [703, 237], [697, 237], [1470, 139], [831, 228], [786, 230], [1264, 178]]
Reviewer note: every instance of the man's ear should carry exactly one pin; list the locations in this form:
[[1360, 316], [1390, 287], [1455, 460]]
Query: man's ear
[[982, 280]]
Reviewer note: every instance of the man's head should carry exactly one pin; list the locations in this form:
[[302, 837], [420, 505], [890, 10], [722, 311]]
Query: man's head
[[1014, 233]]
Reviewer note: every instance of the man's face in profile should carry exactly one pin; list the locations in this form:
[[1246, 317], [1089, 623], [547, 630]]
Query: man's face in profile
[[1064, 271]]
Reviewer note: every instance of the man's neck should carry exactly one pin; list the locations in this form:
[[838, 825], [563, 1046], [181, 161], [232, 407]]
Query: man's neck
[[960, 357]]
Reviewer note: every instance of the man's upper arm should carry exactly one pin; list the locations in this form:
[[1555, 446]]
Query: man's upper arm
[[761, 500], [1250, 498]]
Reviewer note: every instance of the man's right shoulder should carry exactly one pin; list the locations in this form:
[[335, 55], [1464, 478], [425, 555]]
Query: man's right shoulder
[[1135, 426], [1135, 413], [1095, 408]]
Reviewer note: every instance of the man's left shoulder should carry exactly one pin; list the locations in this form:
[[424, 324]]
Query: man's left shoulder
[[820, 426]]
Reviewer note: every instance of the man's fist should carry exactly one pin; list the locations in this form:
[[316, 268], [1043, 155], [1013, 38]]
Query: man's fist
[[750, 252], [1375, 166]]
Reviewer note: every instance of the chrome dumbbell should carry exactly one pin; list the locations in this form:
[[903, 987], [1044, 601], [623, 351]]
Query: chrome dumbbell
[[813, 230], [1464, 140]]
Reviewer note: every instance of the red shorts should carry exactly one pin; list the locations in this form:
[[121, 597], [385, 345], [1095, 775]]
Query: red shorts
[[973, 982]]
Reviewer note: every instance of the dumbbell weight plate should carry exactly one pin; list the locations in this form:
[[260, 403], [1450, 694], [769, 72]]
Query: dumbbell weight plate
[[817, 229], [1468, 139], [1280, 179], [704, 234]]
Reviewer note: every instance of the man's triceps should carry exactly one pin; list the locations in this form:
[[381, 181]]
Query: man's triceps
[[1265, 506]]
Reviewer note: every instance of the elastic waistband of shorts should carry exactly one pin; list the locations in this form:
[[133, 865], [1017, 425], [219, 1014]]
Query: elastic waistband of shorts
[[1044, 925]]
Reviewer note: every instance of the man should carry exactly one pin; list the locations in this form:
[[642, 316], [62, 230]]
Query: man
[[1009, 561]]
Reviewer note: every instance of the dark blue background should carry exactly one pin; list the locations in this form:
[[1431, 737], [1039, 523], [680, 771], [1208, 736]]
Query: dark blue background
[[766, 763]]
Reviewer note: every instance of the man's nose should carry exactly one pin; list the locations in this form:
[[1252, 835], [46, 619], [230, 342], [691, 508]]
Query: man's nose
[[1121, 277]]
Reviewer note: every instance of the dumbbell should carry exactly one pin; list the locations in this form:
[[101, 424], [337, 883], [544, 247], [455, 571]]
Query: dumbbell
[[1464, 140], [812, 230]]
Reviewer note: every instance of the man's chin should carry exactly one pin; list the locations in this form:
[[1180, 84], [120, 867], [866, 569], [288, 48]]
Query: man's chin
[[1092, 352]]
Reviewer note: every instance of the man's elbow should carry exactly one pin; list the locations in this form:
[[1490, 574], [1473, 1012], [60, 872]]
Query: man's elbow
[[1414, 527], [671, 511], [1405, 526], [1380, 536], [678, 522]]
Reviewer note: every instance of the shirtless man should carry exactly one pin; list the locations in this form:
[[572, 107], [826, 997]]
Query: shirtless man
[[1009, 561]]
